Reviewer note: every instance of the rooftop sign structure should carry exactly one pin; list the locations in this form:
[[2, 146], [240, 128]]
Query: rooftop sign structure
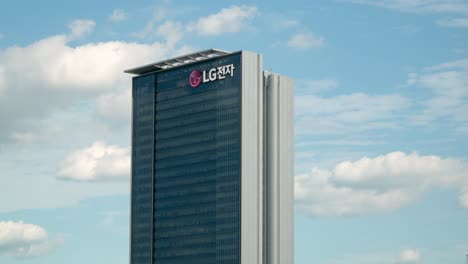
[[178, 61]]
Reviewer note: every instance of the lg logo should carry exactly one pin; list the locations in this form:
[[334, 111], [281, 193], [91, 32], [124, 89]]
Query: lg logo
[[195, 78], [218, 73]]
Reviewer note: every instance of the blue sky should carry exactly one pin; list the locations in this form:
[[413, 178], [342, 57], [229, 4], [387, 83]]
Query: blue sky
[[381, 160]]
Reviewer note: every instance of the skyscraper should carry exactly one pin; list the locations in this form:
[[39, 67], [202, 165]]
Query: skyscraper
[[212, 161]]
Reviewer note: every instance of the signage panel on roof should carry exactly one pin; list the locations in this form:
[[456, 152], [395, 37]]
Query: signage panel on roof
[[213, 74]]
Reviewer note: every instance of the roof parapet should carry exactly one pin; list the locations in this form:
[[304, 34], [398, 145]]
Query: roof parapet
[[177, 61]]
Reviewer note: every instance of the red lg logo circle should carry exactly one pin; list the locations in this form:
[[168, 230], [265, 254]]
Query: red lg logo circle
[[195, 78]]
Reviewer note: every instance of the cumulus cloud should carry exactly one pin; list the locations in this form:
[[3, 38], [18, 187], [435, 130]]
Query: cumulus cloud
[[22, 240], [48, 89], [118, 15], [18, 232], [345, 113], [115, 106], [99, 162], [317, 195], [409, 256], [57, 75], [80, 28], [228, 20], [398, 170], [305, 41], [379, 184]]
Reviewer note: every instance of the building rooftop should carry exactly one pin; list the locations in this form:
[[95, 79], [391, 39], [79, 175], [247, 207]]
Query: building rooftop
[[177, 61]]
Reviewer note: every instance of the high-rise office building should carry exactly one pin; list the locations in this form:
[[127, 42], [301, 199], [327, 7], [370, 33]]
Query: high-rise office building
[[212, 161]]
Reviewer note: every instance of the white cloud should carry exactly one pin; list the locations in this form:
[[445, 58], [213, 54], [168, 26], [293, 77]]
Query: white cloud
[[115, 106], [379, 184], [171, 31], [316, 195], [50, 88], [22, 240], [304, 41], [80, 28], [419, 6], [228, 20], [345, 113], [98, 162], [14, 233], [36, 186], [453, 22], [398, 170], [118, 15], [92, 67], [448, 83], [57, 75], [409, 256]]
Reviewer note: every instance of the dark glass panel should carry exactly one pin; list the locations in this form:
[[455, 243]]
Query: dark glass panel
[[142, 169], [197, 167]]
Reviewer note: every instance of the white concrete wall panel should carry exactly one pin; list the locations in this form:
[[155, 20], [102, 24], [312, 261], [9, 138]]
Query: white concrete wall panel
[[279, 171], [251, 160]]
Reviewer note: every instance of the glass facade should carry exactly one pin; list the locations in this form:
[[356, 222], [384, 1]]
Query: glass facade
[[186, 167], [142, 169]]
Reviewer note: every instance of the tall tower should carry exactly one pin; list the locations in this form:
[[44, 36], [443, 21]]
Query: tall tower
[[212, 161]]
